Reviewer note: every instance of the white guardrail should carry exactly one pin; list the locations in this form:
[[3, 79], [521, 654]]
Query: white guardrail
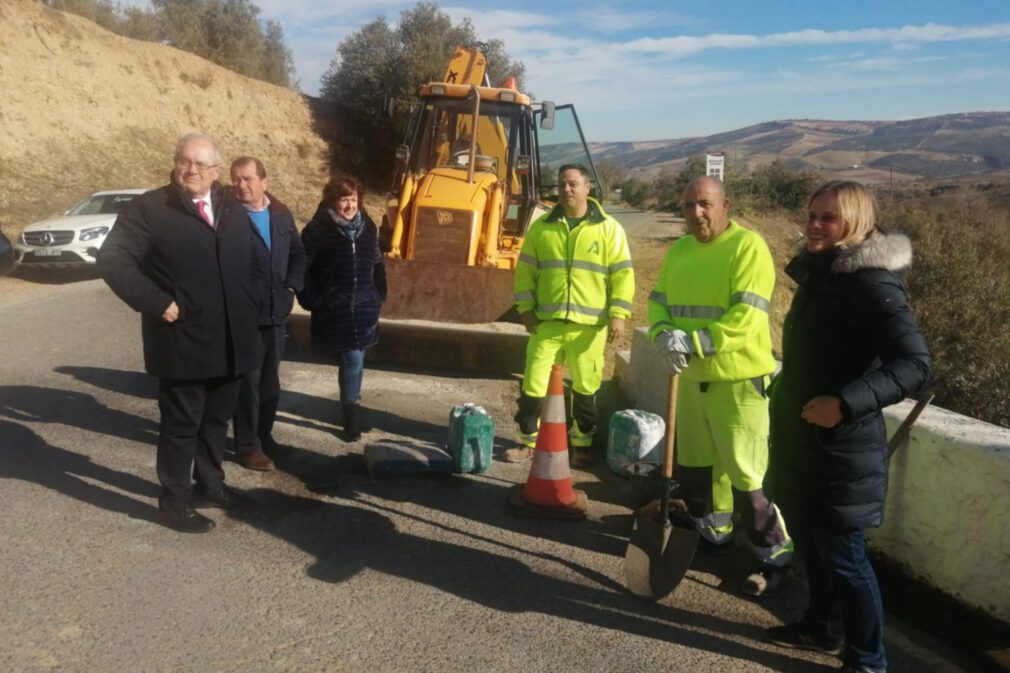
[[947, 521]]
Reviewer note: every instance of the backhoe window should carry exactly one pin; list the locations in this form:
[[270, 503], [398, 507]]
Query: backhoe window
[[564, 144], [447, 128]]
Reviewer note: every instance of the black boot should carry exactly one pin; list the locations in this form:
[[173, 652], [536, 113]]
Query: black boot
[[352, 425]]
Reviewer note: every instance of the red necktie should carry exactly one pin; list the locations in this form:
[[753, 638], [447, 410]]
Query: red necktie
[[202, 207]]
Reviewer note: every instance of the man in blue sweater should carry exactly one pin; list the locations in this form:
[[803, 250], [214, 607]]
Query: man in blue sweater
[[261, 388]]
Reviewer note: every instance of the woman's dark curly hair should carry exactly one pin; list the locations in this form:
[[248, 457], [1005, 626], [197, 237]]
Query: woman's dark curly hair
[[342, 184]]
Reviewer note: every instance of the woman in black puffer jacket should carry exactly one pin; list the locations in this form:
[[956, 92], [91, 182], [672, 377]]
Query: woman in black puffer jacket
[[851, 347], [345, 285]]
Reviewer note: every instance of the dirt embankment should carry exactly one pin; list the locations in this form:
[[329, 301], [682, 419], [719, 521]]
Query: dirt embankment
[[84, 109]]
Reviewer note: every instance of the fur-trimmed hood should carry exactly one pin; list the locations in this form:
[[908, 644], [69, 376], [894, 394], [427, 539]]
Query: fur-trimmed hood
[[892, 252]]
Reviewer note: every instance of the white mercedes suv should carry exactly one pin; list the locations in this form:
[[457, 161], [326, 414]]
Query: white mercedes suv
[[75, 237]]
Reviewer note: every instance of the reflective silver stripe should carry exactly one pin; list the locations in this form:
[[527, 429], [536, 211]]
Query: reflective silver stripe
[[661, 323], [658, 297], [554, 409], [705, 341], [716, 520], [776, 556], [717, 528], [586, 310], [751, 299], [589, 266], [528, 259], [552, 264], [682, 311], [620, 303], [626, 264], [523, 296], [552, 465], [574, 308]]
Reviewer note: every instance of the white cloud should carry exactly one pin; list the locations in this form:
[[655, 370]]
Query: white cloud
[[580, 56], [313, 12], [683, 46]]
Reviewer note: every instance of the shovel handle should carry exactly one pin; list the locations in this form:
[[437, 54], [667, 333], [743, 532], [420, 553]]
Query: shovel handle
[[671, 427], [901, 434]]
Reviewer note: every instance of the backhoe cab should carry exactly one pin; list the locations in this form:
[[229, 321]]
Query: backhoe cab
[[478, 164]]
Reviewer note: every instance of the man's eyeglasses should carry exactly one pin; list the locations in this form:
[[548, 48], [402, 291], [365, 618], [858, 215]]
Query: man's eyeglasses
[[201, 168]]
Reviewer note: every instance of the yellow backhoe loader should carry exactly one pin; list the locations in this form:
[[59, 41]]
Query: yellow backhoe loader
[[478, 164]]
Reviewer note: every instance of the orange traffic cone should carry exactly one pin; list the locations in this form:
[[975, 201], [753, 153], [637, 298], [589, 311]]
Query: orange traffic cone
[[548, 491]]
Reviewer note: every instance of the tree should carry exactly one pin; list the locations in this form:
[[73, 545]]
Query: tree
[[611, 174], [380, 61], [775, 184], [101, 12], [226, 32], [634, 192], [277, 62], [669, 187], [139, 24]]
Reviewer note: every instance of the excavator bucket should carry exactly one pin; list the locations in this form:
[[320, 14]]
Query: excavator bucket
[[448, 293]]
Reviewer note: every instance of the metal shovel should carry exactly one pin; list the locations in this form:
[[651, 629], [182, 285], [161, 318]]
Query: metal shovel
[[660, 553]]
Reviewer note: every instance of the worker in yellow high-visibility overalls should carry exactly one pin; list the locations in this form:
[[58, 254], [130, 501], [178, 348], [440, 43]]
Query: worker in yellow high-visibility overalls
[[708, 317], [574, 285]]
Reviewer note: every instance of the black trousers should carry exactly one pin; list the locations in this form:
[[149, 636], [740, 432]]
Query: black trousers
[[192, 435], [260, 394], [583, 410]]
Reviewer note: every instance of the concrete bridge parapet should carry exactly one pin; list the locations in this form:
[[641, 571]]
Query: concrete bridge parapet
[[947, 521]]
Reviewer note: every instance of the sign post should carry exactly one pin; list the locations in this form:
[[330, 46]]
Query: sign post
[[715, 165]]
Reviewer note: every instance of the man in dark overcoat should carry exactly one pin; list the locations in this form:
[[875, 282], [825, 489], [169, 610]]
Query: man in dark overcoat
[[260, 391], [185, 257]]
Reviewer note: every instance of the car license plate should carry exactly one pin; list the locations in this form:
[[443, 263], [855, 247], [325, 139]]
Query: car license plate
[[48, 252]]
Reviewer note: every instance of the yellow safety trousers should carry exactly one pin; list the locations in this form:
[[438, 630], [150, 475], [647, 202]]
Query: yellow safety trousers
[[579, 347]]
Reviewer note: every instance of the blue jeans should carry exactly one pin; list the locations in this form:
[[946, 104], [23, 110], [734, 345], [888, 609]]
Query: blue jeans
[[844, 594], [351, 368]]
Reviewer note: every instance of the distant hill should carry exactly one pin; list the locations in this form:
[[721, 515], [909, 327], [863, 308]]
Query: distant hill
[[83, 109], [947, 146]]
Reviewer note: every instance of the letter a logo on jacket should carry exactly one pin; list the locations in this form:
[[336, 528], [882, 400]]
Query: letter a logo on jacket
[[595, 247]]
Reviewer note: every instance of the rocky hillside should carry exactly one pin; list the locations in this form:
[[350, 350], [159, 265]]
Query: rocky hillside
[[947, 146], [83, 109]]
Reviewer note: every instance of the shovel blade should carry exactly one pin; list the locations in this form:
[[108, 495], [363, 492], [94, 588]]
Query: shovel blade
[[658, 557]]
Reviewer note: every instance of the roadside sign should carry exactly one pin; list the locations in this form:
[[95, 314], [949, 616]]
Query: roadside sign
[[715, 163]]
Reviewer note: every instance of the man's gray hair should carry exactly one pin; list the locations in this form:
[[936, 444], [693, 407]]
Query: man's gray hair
[[189, 137]]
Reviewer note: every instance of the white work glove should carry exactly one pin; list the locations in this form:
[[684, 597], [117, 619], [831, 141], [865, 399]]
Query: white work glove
[[675, 350]]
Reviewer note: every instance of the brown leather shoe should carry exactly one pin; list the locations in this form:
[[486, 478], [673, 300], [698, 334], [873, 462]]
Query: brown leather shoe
[[255, 461], [518, 454]]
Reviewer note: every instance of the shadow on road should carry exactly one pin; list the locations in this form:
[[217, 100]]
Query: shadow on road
[[51, 405], [27, 457], [55, 276], [346, 537], [138, 384]]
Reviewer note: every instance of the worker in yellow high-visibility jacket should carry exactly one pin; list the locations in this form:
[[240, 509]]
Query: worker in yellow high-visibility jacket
[[708, 317], [574, 285]]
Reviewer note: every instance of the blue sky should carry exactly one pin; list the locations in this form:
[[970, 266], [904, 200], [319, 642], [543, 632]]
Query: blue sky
[[654, 70]]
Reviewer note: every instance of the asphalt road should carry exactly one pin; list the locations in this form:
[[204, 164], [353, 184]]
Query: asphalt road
[[335, 571]]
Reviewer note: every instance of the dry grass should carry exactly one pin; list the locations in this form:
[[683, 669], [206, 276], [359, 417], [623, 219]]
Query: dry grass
[[782, 237], [960, 291], [85, 111]]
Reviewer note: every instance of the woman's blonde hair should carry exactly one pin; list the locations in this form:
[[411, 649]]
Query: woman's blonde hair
[[857, 206]]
